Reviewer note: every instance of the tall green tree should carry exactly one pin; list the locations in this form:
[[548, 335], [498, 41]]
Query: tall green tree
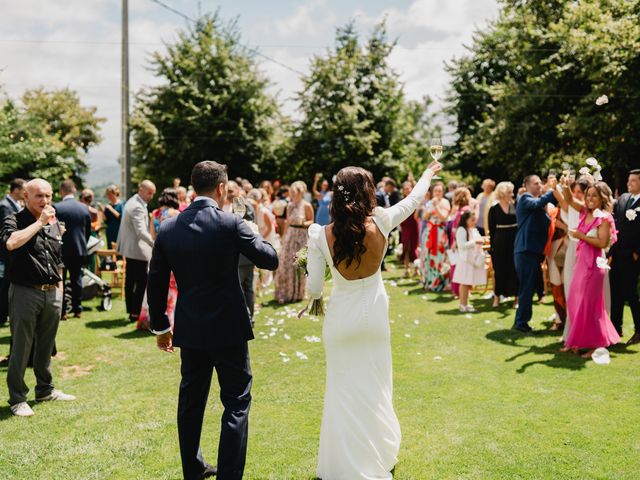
[[354, 112], [211, 104], [47, 134], [525, 95]]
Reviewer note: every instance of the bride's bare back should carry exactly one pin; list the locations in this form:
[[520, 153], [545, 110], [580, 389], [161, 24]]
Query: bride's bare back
[[376, 245]]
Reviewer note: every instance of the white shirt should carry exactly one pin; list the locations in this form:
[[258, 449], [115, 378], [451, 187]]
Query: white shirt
[[634, 198], [68, 197], [202, 197]]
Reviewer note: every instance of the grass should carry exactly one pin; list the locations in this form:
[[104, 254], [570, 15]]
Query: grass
[[474, 399]]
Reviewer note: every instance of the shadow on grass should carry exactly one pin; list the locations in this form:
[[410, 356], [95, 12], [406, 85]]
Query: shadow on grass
[[113, 323], [5, 412], [5, 340], [133, 334], [559, 360]]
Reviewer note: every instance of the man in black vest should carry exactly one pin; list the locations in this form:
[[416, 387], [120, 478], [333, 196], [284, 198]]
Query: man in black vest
[[201, 246], [9, 205], [625, 257]]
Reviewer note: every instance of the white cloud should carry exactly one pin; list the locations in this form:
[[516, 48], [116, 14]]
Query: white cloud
[[309, 19], [81, 49]]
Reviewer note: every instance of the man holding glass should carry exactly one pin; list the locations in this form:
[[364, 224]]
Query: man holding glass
[[32, 241]]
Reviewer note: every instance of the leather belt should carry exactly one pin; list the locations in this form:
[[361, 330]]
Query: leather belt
[[43, 288], [507, 226]]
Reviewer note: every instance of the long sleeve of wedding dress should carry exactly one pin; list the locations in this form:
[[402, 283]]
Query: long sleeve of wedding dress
[[316, 264], [390, 218]]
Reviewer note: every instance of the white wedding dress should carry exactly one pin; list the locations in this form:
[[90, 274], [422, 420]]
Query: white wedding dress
[[360, 433]]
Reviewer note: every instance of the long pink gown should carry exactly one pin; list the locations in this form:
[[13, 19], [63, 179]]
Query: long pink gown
[[590, 323]]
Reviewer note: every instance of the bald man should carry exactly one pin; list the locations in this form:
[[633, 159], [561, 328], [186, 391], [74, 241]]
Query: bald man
[[135, 244], [33, 242]]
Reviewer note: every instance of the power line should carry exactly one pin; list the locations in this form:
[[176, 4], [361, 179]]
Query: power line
[[253, 50], [171, 9]]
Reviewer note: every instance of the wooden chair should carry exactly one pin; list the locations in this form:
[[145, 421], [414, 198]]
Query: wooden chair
[[118, 273]]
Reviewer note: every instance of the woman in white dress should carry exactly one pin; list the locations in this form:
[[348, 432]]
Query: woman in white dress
[[571, 217], [360, 433], [470, 268]]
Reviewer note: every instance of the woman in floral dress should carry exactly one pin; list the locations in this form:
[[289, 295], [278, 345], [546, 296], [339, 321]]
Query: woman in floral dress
[[434, 241], [290, 284]]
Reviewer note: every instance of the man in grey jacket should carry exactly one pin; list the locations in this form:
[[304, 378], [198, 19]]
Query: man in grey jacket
[[135, 244]]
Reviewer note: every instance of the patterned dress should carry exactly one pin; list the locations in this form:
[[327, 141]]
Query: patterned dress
[[433, 245], [290, 284]]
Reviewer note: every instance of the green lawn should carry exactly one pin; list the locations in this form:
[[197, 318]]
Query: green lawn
[[474, 400]]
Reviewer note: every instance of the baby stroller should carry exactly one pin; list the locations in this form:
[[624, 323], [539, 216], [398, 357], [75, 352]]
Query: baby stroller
[[92, 285]]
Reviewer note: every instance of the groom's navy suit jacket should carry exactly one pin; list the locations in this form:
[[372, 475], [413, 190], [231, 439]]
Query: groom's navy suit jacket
[[533, 223], [201, 247]]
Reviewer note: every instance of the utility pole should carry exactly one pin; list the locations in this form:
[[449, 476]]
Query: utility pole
[[125, 150]]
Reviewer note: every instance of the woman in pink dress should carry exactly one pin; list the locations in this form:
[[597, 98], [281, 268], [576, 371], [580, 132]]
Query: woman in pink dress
[[591, 327]]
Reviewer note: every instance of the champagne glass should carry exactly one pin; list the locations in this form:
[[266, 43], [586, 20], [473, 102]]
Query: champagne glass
[[436, 150], [239, 208], [552, 173]]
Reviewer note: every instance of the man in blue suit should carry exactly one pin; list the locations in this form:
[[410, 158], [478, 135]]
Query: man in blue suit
[[531, 238], [201, 246], [77, 229]]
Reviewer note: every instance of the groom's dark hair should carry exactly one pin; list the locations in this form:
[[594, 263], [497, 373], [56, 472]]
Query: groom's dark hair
[[207, 175]]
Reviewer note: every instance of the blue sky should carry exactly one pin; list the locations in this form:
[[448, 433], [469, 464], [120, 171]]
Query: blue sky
[[75, 43]]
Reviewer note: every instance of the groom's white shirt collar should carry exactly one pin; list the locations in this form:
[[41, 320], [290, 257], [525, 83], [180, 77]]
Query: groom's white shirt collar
[[202, 197]]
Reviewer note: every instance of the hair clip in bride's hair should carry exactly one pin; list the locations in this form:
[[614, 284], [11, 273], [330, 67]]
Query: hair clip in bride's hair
[[344, 192]]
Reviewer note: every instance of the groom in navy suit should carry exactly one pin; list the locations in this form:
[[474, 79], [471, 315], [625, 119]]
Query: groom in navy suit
[[531, 238], [201, 247]]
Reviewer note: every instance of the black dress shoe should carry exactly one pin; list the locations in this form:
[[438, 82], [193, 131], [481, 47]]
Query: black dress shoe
[[635, 339], [209, 472], [523, 328]]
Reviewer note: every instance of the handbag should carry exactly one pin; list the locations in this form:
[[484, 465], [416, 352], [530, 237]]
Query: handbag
[[479, 260], [561, 255]]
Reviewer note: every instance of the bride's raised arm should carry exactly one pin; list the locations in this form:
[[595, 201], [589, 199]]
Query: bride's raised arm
[[394, 216]]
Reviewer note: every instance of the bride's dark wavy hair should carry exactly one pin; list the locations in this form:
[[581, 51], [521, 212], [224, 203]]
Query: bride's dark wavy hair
[[354, 198]]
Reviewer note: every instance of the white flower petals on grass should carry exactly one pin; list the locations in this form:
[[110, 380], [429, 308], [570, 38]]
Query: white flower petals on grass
[[287, 336], [602, 100], [312, 339], [417, 322], [301, 356], [437, 358], [407, 335]]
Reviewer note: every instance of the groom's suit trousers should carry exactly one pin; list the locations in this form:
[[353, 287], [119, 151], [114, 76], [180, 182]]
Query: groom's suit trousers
[[234, 377]]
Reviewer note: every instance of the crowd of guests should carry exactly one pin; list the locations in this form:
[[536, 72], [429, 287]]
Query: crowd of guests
[[587, 242]]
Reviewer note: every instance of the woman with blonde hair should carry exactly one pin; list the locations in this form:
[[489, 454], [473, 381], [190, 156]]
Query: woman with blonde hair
[[502, 226], [290, 284]]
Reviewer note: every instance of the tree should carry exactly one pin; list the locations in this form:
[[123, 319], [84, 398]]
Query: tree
[[525, 95], [48, 134], [354, 112], [211, 105]]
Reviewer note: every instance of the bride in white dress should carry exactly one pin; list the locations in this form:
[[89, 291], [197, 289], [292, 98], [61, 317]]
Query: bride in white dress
[[360, 433]]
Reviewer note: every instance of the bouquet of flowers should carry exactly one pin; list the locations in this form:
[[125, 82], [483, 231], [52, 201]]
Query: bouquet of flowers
[[279, 207], [300, 262]]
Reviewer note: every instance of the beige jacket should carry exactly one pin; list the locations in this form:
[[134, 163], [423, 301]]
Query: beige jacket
[[134, 238]]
